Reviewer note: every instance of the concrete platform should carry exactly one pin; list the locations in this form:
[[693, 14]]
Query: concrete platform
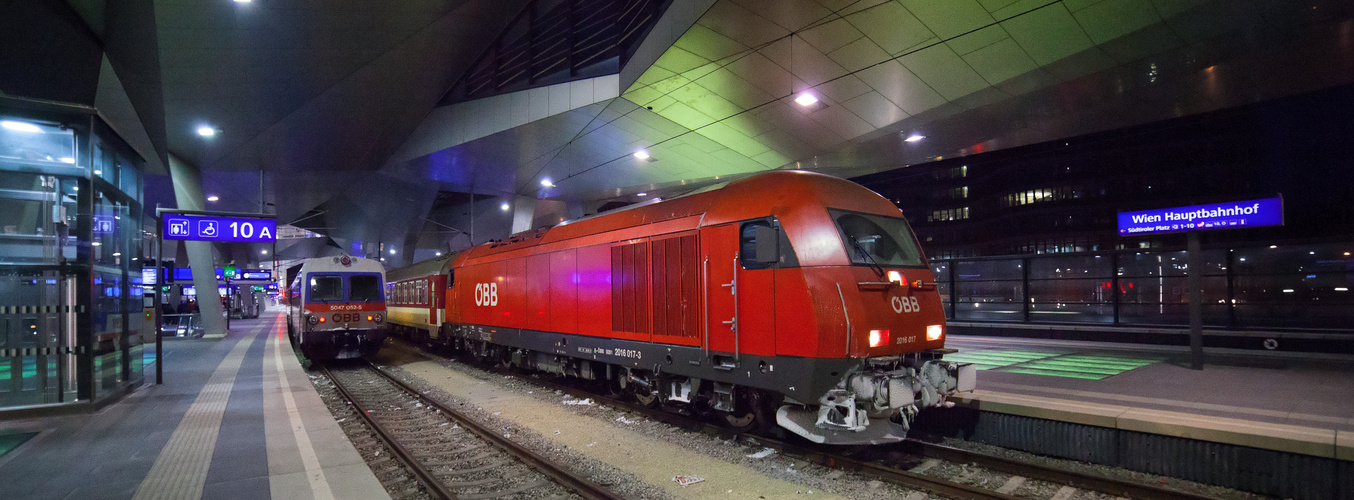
[[1291, 402], [236, 418], [1274, 423]]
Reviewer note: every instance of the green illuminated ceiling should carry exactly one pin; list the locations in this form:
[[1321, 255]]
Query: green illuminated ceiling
[[874, 64]]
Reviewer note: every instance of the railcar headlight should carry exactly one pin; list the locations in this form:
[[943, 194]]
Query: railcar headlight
[[370, 317], [935, 332], [321, 319], [379, 318], [312, 320], [879, 337], [896, 277]]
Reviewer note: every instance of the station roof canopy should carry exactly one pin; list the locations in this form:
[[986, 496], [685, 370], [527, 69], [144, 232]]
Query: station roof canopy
[[373, 120]]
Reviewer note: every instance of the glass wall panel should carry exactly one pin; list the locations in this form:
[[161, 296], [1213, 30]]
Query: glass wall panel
[[989, 290]]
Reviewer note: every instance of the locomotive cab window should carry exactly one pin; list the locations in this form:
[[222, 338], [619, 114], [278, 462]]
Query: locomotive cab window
[[877, 240], [326, 287], [364, 288], [759, 245]]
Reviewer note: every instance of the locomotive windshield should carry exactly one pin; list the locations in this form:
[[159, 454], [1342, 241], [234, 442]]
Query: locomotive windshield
[[876, 240], [326, 288], [364, 288]]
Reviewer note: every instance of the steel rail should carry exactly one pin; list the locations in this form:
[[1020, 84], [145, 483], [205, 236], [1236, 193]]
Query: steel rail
[[580, 485], [434, 486]]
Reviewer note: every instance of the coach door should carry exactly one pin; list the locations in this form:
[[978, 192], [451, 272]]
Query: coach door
[[740, 294]]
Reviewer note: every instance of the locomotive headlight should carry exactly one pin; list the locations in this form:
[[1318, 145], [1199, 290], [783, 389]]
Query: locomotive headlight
[[312, 320], [879, 337], [934, 332], [896, 277], [321, 318], [370, 317]]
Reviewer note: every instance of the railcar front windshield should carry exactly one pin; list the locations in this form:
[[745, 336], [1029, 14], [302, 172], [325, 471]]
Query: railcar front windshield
[[325, 288], [877, 240], [364, 288]]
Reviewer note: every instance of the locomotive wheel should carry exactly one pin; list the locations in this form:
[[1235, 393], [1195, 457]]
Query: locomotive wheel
[[646, 398], [749, 412], [742, 420]]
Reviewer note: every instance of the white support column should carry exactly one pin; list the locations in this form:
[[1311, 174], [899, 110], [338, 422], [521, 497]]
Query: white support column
[[188, 194], [523, 209]]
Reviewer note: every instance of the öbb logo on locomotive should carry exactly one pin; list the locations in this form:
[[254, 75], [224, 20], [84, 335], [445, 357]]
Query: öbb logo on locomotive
[[905, 305], [486, 294], [772, 300]]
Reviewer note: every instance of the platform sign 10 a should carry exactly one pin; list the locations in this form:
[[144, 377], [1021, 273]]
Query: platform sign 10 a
[[218, 228], [1229, 215]]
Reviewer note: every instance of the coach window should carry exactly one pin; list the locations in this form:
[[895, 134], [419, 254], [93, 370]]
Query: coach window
[[422, 293], [364, 288]]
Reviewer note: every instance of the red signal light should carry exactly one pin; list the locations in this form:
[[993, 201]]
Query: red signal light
[[879, 337], [369, 317]]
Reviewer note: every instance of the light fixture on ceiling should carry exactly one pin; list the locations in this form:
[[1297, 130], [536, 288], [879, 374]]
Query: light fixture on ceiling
[[642, 194], [914, 137], [642, 154], [68, 159], [21, 127], [806, 99], [206, 131], [243, 1], [213, 198], [439, 254], [504, 207], [546, 182]]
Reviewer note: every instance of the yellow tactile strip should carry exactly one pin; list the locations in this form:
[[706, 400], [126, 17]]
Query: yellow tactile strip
[[652, 459], [181, 469], [1328, 443]]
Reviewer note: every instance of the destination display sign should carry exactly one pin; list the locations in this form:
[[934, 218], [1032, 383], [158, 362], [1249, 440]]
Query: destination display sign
[[1228, 215], [218, 228]]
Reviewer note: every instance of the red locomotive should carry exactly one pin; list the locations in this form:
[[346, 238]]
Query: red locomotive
[[787, 297]]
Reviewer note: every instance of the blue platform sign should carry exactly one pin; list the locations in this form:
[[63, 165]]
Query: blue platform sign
[[1229, 215], [103, 224], [219, 228]]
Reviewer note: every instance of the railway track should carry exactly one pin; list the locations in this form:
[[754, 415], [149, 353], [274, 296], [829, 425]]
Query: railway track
[[889, 470], [449, 455]]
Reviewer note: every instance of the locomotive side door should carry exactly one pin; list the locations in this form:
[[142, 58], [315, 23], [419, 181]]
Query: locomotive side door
[[739, 293]]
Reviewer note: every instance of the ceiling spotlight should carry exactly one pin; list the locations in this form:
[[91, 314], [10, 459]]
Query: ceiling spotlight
[[21, 127], [213, 198], [643, 194], [68, 159], [504, 207], [206, 131], [265, 252], [243, 1], [914, 137], [439, 254], [806, 99], [392, 251], [642, 154], [546, 182]]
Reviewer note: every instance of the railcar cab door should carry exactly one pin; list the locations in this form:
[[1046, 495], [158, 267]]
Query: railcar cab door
[[738, 262]]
